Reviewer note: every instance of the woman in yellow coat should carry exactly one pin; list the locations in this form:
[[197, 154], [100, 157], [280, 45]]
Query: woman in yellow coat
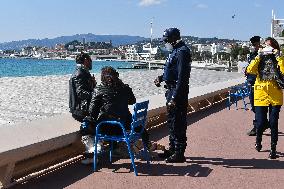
[[267, 93]]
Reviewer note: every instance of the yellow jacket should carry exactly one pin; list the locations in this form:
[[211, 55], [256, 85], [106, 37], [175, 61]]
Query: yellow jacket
[[266, 92]]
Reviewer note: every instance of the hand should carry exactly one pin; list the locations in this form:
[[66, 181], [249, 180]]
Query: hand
[[171, 104], [157, 82], [276, 52]]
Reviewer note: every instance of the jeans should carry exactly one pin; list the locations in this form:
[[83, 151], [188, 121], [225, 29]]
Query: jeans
[[261, 117]]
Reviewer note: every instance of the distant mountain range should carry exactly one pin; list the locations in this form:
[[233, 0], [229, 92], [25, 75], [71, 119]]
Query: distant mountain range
[[115, 39]]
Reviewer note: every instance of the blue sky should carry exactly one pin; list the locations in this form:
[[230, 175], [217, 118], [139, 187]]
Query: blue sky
[[26, 19]]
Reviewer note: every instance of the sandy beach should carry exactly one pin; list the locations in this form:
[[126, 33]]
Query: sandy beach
[[28, 98]]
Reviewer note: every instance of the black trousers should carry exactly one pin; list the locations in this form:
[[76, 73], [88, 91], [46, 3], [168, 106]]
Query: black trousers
[[251, 96], [177, 123]]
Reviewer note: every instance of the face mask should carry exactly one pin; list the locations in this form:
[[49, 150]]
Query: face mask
[[267, 50], [169, 46]]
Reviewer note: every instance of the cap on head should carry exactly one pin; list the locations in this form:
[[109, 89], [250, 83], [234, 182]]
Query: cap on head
[[255, 39], [171, 35]]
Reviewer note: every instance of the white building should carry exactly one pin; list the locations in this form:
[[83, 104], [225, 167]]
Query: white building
[[277, 28], [216, 48], [148, 52], [131, 52], [202, 47], [213, 48]]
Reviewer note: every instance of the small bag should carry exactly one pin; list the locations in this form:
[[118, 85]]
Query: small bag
[[279, 78]]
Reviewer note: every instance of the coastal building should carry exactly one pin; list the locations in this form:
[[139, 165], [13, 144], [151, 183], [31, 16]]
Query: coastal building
[[202, 47], [132, 52], [212, 48], [216, 48], [148, 52], [277, 29]]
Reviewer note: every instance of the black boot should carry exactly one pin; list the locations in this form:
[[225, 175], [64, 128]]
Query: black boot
[[177, 157], [272, 154], [258, 145], [166, 153], [252, 132]]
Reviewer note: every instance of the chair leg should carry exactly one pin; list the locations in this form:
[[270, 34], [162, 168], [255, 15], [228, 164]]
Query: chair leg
[[236, 101], [131, 157], [110, 151], [95, 154], [245, 105], [229, 102]]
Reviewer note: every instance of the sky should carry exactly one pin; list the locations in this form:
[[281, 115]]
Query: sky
[[38, 19]]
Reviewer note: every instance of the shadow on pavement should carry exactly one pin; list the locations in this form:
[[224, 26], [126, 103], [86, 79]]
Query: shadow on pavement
[[239, 163], [159, 169], [60, 178], [161, 132]]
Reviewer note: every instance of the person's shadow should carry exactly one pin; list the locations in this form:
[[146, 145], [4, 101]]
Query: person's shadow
[[159, 168], [240, 163]]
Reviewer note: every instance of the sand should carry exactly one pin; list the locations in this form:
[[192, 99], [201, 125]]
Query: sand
[[25, 99]]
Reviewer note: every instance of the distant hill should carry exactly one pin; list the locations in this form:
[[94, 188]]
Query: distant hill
[[116, 40]]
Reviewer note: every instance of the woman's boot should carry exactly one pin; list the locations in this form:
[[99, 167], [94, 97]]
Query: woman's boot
[[272, 154]]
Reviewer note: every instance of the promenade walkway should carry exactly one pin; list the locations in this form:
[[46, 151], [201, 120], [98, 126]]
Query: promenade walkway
[[219, 155]]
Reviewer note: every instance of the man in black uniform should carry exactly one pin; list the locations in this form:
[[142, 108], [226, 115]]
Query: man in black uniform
[[176, 76], [255, 41]]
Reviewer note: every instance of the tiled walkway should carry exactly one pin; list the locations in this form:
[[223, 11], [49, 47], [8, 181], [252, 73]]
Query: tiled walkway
[[219, 155]]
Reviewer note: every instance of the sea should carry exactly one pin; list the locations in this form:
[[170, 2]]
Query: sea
[[20, 67]]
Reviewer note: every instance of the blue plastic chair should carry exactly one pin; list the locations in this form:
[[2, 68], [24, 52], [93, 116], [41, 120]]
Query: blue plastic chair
[[138, 121], [236, 92]]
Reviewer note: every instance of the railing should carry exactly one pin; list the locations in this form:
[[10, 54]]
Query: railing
[[32, 147]]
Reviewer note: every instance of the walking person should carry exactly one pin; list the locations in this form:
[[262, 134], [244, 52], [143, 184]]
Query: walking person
[[255, 41], [267, 92], [176, 76]]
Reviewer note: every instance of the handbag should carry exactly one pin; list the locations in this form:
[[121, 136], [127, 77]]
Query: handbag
[[279, 78]]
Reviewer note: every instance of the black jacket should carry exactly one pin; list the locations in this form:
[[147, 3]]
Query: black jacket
[[111, 102], [251, 77], [177, 69], [80, 91]]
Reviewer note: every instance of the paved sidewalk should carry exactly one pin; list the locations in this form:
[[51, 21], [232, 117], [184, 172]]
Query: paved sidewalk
[[219, 155]]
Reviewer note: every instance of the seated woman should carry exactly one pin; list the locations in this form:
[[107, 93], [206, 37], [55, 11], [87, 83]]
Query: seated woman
[[110, 101]]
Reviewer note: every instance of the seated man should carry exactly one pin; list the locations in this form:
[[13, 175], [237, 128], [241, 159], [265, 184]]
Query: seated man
[[81, 86], [110, 101]]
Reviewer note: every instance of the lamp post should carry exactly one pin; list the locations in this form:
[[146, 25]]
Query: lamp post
[[151, 37]]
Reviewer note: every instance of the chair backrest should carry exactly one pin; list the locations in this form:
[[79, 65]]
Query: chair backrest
[[139, 117]]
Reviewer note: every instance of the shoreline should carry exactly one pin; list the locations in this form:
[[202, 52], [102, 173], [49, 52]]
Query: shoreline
[[29, 98]]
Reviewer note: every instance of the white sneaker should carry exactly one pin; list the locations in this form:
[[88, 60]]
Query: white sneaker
[[87, 161], [88, 141]]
